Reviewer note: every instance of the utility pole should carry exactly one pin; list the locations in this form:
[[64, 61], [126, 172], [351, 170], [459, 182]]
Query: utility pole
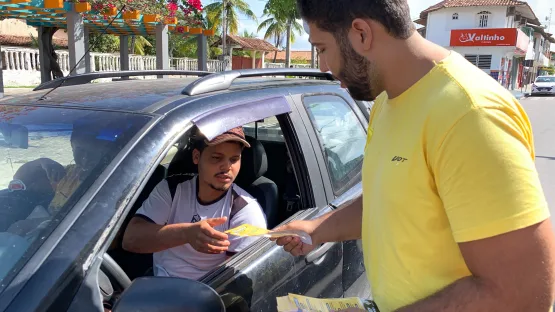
[[224, 32], [548, 19]]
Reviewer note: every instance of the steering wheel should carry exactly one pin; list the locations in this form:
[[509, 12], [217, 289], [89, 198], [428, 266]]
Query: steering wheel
[[111, 273]]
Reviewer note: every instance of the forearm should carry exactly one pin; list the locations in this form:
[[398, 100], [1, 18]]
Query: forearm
[[473, 294], [146, 237], [342, 224]]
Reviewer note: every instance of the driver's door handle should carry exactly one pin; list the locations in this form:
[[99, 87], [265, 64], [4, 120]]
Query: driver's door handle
[[318, 252]]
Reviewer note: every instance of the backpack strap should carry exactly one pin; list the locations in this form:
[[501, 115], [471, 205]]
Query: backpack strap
[[175, 180], [237, 203]]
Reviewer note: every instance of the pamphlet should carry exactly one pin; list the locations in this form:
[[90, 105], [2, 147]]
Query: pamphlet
[[296, 303], [251, 230]]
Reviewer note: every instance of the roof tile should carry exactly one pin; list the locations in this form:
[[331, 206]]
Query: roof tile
[[26, 41], [253, 44], [469, 3]]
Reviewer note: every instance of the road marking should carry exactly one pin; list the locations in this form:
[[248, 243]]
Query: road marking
[[537, 98]]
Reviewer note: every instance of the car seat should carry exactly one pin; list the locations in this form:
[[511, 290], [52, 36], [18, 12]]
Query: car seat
[[254, 165]]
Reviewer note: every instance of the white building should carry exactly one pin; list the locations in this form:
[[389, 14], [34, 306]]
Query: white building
[[493, 34]]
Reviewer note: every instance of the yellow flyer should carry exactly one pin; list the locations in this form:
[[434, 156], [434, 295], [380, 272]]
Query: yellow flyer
[[295, 303], [247, 230], [251, 230]]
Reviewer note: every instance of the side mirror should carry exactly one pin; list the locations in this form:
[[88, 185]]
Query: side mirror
[[157, 294]]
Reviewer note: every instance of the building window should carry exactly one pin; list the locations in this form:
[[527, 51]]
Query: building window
[[481, 61], [483, 19], [455, 16]]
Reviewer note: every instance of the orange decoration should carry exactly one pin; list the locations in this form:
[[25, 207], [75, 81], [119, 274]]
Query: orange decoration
[[81, 7], [150, 18], [53, 4], [195, 31]]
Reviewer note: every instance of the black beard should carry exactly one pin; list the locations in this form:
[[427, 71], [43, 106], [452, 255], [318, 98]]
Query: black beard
[[221, 189], [355, 71]]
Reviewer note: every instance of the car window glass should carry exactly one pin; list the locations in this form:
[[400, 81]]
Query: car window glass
[[51, 156], [341, 136], [545, 79], [265, 130]]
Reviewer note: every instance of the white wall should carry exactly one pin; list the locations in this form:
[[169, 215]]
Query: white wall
[[497, 53], [440, 23]]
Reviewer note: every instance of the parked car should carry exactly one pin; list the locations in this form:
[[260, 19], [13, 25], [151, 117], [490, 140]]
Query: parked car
[[544, 85], [63, 252]]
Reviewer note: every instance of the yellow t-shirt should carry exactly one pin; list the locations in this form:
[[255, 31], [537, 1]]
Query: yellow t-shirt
[[450, 160]]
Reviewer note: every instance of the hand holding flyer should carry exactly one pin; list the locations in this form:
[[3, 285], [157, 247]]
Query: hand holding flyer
[[251, 230]]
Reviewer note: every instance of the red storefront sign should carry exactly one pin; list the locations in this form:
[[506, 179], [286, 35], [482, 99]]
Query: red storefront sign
[[484, 37]]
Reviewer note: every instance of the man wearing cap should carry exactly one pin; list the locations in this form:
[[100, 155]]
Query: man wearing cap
[[186, 234]]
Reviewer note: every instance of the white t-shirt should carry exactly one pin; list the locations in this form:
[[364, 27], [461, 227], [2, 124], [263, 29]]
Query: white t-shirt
[[184, 261]]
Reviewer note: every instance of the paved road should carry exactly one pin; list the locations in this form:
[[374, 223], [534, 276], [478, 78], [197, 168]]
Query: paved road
[[541, 111]]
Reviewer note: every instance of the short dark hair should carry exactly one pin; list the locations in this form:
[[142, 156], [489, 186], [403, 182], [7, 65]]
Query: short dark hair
[[336, 16], [199, 145]]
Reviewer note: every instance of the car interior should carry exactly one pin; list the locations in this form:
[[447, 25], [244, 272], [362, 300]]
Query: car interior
[[266, 173]]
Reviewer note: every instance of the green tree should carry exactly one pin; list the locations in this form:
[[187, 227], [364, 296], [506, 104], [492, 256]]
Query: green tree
[[138, 45], [104, 43], [282, 18], [234, 8]]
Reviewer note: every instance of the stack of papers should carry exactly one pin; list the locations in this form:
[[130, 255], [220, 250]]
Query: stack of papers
[[296, 303]]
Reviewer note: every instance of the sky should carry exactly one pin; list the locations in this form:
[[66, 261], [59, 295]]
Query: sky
[[540, 7]]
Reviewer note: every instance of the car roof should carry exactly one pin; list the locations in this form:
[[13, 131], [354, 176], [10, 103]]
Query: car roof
[[140, 95]]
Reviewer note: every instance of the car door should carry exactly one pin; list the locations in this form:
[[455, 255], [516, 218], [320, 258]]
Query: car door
[[339, 125], [253, 279]]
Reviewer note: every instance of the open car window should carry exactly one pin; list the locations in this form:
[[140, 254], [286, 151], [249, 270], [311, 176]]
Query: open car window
[[267, 129], [51, 156]]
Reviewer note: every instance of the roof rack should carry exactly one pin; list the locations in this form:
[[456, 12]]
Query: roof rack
[[88, 77], [223, 80]]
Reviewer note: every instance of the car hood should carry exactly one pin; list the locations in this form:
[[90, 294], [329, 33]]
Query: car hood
[[544, 84]]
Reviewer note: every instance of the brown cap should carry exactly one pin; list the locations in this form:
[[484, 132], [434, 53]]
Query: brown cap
[[231, 135]]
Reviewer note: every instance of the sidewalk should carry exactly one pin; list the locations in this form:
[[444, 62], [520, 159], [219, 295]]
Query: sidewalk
[[522, 92]]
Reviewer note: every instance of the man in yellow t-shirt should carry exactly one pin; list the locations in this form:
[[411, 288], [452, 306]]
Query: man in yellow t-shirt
[[453, 216]]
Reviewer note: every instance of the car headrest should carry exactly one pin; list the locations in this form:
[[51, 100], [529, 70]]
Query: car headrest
[[254, 163], [182, 163]]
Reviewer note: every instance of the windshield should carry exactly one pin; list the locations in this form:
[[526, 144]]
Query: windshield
[[50, 157], [545, 79]]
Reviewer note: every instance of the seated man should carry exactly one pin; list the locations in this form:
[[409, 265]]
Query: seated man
[[186, 233]]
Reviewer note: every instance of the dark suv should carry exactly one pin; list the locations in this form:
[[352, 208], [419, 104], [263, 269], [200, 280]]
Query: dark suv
[[103, 147]]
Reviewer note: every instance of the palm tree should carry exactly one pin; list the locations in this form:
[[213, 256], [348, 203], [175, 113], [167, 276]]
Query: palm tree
[[278, 29], [233, 9], [274, 29], [283, 17]]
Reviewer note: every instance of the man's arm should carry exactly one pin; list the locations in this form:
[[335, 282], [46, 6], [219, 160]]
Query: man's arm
[[346, 222], [148, 231], [342, 224], [142, 236], [510, 272]]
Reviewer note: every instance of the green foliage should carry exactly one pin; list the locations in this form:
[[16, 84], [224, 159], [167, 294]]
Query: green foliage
[[281, 14], [282, 9], [104, 43], [235, 8]]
